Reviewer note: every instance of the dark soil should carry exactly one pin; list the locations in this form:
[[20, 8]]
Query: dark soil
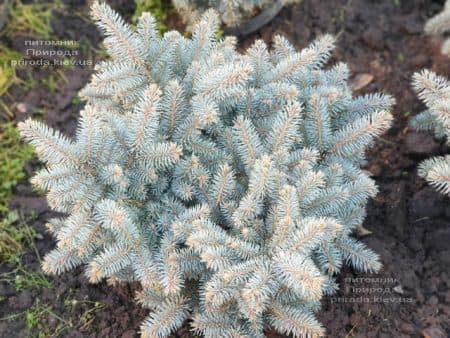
[[409, 221]]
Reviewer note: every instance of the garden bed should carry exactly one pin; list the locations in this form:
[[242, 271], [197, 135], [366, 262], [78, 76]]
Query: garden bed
[[384, 45]]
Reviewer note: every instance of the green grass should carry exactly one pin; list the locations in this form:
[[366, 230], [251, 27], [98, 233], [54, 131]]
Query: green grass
[[15, 236], [81, 313], [34, 319], [31, 19], [25, 279], [15, 233], [13, 156], [7, 69], [160, 9]]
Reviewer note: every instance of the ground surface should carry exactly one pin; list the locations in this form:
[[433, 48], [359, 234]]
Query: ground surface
[[410, 223]]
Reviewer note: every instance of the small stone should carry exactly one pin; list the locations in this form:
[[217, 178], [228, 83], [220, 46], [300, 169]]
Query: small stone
[[22, 107], [361, 81], [398, 289], [433, 332]]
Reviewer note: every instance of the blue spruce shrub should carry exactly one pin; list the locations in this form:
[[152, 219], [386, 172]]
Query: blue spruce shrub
[[434, 91], [227, 184], [440, 25]]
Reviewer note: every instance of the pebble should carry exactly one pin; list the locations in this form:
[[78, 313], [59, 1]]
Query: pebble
[[433, 332], [361, 81], [22, 107]]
